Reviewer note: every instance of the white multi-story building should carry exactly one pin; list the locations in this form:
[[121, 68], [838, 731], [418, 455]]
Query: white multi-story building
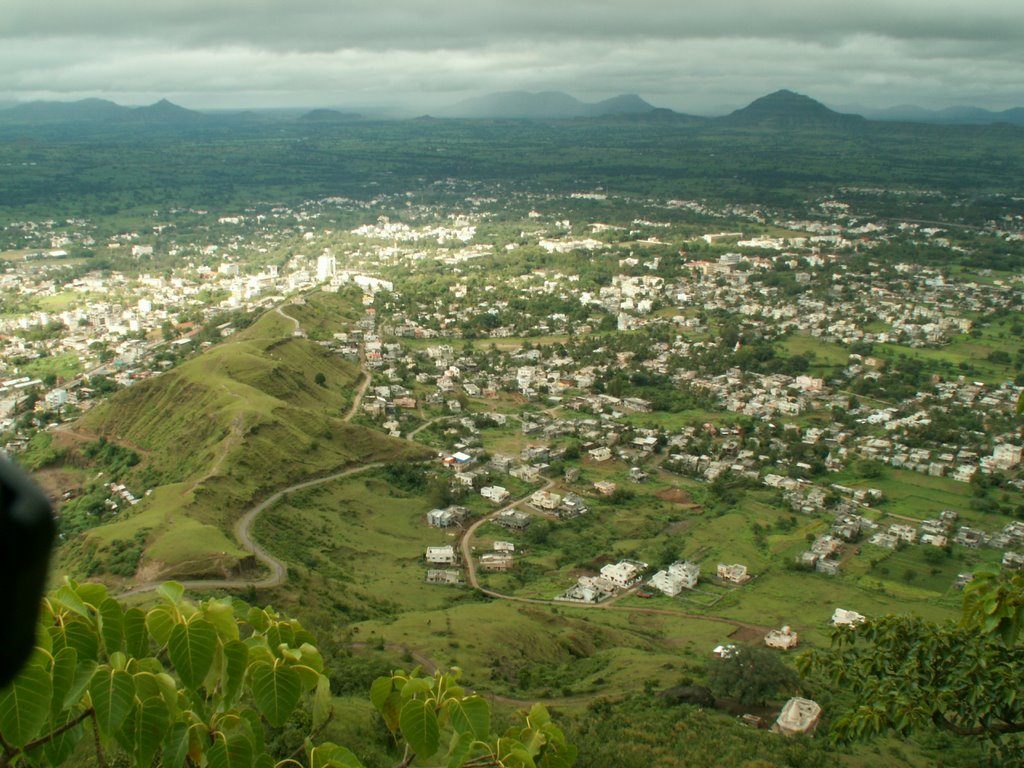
[[326, 267], [678, 576]]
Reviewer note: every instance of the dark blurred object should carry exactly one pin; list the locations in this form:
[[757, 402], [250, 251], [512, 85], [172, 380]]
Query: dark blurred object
[[26, 538]]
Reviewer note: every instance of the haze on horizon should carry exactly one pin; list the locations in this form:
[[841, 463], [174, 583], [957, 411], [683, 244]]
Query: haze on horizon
[[404, 54]]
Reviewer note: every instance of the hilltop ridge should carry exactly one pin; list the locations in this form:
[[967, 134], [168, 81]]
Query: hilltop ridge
[[227, 428]]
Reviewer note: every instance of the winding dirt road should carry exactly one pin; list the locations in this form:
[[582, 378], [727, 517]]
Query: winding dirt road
[[243, 528]]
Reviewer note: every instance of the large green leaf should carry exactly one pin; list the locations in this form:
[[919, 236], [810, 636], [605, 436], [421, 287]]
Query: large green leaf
[[280, 634], [380, 690], [146, 685], [458, 749], [415, 686], [151, 721], [232, 751], [65, 661], [419, 727], [471, 715], [25, 705], [558, 755], [160, 621], [69, 599], [191, 648], [311, 657], [329, 755], [59, 748], [111, 625], [171, 591], [175, 746], [83, 676], [136, 639], [255, 728], [321, 702], [221, 614], [276, 690], [236, 659], [387, 701], [80, 635], [112, 693], [91, 592]]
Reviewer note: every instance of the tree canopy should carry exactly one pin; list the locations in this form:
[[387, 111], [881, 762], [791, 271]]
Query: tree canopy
[[749, 674], [904, 673], [206, 685]]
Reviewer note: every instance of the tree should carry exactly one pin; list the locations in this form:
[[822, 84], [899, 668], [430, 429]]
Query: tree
[[201, 685], [907, 674], [320, 379], [750, 674]]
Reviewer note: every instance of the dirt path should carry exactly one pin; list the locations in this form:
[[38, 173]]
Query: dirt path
[[243, 532], [243, 528], [280, 311]]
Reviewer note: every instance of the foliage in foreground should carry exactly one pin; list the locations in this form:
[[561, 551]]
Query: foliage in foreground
[[202, 685], [907, 674]]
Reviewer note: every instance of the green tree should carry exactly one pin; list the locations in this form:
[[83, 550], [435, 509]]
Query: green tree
[[907, 674], [751, 674], [202, 684]]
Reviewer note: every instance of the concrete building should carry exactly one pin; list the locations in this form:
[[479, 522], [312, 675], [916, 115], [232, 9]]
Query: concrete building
[[797, 717]]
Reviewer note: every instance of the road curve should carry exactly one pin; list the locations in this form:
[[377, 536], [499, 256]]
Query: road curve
[[278, 569]]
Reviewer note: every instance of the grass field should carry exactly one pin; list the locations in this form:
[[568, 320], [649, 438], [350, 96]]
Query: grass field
[[66, 366], [826, 358]]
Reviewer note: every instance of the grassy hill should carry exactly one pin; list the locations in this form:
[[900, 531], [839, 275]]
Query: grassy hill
[[221, 431]]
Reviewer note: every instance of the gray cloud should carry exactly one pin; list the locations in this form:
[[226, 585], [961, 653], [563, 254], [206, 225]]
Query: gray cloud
[[305, 52]]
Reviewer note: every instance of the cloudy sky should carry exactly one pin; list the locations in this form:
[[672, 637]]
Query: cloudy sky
[[691, 56]]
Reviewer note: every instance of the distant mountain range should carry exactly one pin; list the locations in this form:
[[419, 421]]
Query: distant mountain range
[[546, 105], [97, 111], [949, 116], [782, 109]]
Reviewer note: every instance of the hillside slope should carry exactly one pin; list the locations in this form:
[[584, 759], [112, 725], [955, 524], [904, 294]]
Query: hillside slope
[[225, 429]]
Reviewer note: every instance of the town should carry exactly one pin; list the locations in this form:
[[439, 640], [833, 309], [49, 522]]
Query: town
[[629, 402]]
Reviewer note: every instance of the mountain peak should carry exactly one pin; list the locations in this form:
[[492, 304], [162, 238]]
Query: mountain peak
[[788, 108], [161, 111]]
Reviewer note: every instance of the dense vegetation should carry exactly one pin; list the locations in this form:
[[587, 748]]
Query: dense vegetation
[[109, 170]]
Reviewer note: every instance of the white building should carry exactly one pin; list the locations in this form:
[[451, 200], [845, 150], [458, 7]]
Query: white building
[[783, 639], [1006, 456], [495, 493], [326, 267], [623, 574], [798, 716], [441, 555], [735, 573], [679, 576], [55, 398], [845, 618], [545, 500]]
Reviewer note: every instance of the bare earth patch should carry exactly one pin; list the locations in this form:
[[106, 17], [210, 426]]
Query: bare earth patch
[[747, 635], [56, 481], [675, 495]]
